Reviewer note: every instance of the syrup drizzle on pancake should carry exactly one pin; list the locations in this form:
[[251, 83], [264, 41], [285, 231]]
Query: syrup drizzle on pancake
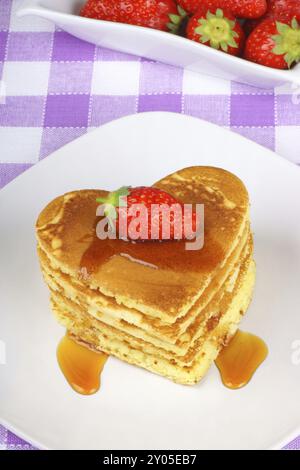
[[173, 256], [81, 367], [238, 361]]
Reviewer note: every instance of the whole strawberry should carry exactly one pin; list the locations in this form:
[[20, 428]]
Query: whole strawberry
[[280, 10], [164, 15], [239, 8], [141, 211], [274, 44], [216, 28]]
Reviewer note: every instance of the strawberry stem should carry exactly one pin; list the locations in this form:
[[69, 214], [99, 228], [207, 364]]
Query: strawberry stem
[[113, 200], [217, 30]]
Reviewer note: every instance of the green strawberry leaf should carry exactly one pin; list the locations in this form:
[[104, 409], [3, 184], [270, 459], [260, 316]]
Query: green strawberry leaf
[[113, 200], [176, 20]]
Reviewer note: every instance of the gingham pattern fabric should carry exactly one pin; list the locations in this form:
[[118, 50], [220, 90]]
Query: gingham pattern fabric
[[54, 88]]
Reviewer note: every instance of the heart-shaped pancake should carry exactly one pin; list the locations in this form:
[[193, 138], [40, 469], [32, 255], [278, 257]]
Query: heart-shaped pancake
[[153, 304]]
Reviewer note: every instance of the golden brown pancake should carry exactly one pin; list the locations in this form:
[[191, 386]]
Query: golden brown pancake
[[145, 330], [165, 308], [187, 375], [66, 228], [218, 307]]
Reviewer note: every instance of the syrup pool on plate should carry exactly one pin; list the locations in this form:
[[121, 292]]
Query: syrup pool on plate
[[239, 360], [81, 367]]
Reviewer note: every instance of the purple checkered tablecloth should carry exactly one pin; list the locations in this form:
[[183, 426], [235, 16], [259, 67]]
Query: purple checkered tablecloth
[[55, 88]]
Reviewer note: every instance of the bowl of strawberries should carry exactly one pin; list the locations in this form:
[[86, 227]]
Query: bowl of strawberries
[[256, 42]]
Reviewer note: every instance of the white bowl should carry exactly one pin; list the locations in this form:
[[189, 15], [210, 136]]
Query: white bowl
[[157, 45]]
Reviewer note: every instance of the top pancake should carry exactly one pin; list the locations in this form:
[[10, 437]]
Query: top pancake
[[162, 280]]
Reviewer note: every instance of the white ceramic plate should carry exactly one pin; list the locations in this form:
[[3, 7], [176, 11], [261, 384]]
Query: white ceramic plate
[[136, 409], [157, 45]]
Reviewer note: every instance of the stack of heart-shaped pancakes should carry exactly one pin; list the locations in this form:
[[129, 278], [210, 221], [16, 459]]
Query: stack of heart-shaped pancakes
[[152, 304]]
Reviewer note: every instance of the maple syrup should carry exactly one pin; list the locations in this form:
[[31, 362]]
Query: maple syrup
[[81, 367], [173, 255], [238, 361]]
